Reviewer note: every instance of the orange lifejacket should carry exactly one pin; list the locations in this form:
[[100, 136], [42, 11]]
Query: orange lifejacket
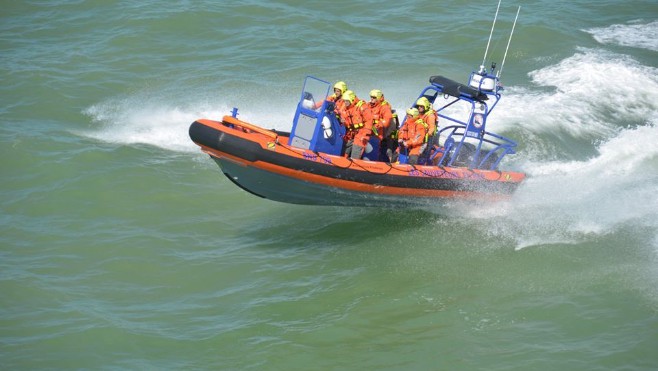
[[431, 119], [413, 134], [352, 118], [340, 105], [381, 117], [364, 133]]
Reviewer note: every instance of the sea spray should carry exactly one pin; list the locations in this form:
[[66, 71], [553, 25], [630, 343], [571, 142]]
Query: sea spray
[[565, 202], [634, 34]]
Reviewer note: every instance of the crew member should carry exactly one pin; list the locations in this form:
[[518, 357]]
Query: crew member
[[412, 135], [382, 123], [355, 118], [430, 118]]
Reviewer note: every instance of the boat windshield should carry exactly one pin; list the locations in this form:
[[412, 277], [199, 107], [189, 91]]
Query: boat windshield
[[314, 93]]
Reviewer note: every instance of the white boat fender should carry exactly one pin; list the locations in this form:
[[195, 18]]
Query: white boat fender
[[326, 126]]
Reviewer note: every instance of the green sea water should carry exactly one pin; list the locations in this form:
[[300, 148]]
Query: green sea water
[[122, 246]]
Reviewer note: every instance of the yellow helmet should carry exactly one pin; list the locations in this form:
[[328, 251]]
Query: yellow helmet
[[422, 101], [341, 85], [349, 95], [376, 93], [413, 112]]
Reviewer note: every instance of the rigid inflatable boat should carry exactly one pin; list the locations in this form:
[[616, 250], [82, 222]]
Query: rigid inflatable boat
[[306, 166]]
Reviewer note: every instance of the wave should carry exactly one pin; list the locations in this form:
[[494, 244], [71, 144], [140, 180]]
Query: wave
[[591, 92], [635, 34], [142, 118], [602, 103], [567, 202]]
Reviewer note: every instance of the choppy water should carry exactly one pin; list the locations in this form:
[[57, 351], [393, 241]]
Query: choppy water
[[122, 245]]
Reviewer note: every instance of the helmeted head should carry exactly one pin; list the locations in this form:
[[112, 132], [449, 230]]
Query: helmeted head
[[376, 94], [340, 85], [349, 97], [413, 112], [423, 102]]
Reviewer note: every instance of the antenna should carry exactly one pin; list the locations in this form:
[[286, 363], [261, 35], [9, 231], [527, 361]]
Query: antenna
[[500, 71], [489, 42]]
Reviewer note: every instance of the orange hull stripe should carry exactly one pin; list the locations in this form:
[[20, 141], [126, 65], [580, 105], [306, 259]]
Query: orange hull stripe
[[352, 186]]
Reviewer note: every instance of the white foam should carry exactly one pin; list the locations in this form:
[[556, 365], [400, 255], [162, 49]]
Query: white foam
[[588, 93], [638, 35], [600, 99], [137, 119], [562, 202]]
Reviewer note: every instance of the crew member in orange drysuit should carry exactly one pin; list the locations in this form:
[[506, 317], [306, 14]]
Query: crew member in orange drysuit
[[356, 118], [430, 117], [412, 135], [382, 117]]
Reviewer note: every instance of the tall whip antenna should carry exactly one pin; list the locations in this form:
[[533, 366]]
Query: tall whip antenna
[[484, 60], [500, 71]]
